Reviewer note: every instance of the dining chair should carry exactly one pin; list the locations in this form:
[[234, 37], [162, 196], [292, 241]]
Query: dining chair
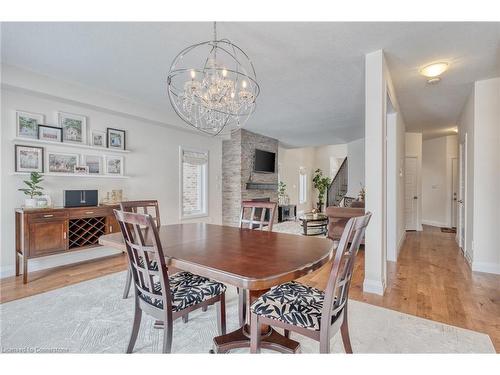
[[309, 311], [147, 207], [157, 294], [255, 221]]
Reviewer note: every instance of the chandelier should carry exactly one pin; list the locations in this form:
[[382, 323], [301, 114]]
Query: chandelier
[[212, 85]]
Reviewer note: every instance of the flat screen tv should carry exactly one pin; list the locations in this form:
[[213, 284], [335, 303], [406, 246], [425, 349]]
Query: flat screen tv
[[264, 161]]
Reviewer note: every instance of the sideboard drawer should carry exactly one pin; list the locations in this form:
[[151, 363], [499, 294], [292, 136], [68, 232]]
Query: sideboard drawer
[[89, 212], [51, 215]]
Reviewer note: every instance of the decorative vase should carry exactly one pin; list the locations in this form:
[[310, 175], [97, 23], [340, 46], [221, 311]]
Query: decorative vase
[[30, 202]]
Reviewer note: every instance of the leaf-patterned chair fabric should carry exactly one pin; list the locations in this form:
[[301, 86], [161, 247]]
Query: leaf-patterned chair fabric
[[292, 303], [187, 289]]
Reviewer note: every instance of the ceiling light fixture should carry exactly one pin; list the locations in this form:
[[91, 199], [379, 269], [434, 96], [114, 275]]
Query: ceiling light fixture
[[433, 71], [212, 85]]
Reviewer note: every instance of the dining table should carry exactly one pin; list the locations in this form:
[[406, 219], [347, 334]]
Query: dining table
[[253, 261]]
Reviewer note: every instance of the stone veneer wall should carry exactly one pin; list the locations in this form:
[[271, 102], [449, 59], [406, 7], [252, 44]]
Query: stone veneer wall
[[237, 169]]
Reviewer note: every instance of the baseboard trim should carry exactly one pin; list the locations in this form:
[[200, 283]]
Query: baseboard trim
[[400, 243], [486, 267], [58, 260], [434, 223], [373, 286]]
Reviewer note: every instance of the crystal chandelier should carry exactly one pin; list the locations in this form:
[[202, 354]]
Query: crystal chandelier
[[212, 85]]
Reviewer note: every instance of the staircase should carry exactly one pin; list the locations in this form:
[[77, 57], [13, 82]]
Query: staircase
[[338, 187]]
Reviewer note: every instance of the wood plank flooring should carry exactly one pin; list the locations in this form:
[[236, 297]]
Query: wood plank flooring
[[431, 280]]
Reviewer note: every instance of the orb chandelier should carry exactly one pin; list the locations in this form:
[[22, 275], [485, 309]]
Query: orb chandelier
[[212, 85]]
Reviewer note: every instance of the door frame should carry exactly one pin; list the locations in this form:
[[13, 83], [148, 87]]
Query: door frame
[[416, 190], [454, 200], [462, 193]]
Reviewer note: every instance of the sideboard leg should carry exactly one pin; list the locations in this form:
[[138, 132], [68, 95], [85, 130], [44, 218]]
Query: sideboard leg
[[25, 270], [17, 264]]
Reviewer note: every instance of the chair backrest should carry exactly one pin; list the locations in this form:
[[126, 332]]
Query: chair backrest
[[147, 262], [146, 206], [337, 290], [250, 218]]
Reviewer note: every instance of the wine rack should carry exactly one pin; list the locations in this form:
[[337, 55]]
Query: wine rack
[[86, 231]]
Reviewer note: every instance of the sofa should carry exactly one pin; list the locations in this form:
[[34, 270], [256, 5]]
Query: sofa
[[339, 216]]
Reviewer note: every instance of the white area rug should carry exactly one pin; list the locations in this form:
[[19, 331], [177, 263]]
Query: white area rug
[[91, 317]]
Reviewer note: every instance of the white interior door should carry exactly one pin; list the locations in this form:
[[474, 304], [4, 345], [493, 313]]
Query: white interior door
[[411, 193], [454, 192]]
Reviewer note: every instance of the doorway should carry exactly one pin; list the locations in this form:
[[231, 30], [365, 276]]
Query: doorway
[[411, 197]]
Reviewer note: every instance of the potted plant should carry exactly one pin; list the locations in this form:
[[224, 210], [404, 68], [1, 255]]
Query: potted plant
[[321, 183], [33, 190], [281, 192], [362, 193]]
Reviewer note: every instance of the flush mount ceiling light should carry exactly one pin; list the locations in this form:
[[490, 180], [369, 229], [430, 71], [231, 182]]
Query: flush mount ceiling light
[[212, 85], [433, 71]]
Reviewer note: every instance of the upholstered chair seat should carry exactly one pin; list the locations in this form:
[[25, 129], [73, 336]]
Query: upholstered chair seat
[[292, 303], [186, 289]]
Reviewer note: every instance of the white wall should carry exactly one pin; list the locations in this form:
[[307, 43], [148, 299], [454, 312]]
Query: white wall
[[289, 163], [466, 130], [355, 166], [437, 155], [395, 185], [413, 148], [486, 153], [153, 163]]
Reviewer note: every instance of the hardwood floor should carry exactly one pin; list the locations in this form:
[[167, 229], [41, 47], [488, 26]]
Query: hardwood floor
[[431, 280]]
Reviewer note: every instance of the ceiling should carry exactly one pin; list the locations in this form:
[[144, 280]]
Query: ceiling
[[311, 74]]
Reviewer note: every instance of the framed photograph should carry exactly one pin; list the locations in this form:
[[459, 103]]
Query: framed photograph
[[74, 127], [29, 158], [61, 163], [97, 138], [115, 138], [49, 133], [114, 165], [27, 124], [81, 169], [93, 162]]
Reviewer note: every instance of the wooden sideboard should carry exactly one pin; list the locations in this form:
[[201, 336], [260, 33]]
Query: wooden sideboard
[[49, 231]]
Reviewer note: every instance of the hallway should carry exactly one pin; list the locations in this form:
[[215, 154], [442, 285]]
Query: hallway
[[432, 280]]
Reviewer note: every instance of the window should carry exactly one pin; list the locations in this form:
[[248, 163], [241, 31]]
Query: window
[[302, 186], [194, 178]]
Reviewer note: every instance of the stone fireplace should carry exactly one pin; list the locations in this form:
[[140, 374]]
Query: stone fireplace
[[239, 181]]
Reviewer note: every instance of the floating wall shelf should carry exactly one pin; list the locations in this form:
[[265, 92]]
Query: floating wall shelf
[[261, 186], [67, 144], [73, 175]]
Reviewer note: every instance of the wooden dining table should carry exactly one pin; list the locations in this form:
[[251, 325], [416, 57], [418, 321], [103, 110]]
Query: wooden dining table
[[251, 260]]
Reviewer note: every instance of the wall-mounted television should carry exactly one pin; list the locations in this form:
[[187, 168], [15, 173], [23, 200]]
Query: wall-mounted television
[[264, 161]]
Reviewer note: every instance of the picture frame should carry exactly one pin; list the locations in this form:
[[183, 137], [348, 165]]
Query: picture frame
[[113, 165], [74, 127], [27, 124], [61, 162], [93, 162], [49, 133], [28, 159], [97, 138], [81, 169], [115, 138]]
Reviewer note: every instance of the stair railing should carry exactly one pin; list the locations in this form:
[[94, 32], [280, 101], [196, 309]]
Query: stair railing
[[338, 187]]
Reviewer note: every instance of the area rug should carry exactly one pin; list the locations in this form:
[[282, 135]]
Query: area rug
[[91, 317]]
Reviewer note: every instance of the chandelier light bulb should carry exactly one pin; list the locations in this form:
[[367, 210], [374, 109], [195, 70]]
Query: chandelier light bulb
[[244, 84], [224, 72], [193, 74]]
